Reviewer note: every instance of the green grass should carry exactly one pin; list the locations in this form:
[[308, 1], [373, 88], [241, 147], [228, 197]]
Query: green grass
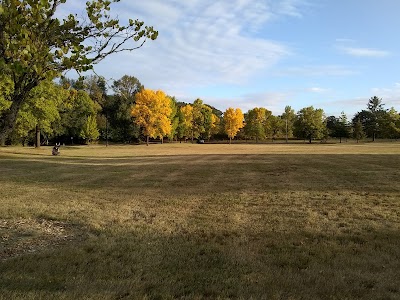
[[201, 222]]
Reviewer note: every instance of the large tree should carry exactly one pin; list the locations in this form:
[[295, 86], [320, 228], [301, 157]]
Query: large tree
[[310, 123], [289, 118], [117, 109], [338, 127], [372, 119], [233, 120], [152, 112], [257, 124], [36, 46]]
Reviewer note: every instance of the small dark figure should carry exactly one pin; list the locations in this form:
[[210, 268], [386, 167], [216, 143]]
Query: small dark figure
[[56, 149]]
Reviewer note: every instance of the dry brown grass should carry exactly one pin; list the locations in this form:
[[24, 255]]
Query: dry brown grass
[[201, 221]]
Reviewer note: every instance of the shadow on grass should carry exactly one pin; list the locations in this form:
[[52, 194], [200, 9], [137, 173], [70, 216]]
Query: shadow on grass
[[200, 174], [210, 264]]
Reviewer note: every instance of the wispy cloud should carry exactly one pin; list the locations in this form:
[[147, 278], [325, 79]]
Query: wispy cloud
[[317, 71], [201, 42], [317, 90], [364, 52]]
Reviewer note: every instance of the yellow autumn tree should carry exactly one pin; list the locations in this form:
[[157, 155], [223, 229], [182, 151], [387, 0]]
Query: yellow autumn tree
[[152, 112], [233, 119], [185, 126]]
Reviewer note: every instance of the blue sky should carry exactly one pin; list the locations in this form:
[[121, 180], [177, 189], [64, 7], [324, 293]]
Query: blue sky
[[333, 55]]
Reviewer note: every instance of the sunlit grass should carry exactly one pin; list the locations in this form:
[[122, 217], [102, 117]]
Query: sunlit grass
[[201, 221]]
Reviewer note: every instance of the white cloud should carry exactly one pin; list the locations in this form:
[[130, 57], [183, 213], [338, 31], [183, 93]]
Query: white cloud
[[206, 43], [201, 42], [317, 71], [365, 52], [317, 90]]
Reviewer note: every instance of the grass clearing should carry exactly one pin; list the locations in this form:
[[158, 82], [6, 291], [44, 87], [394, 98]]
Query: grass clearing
[[201, 222]]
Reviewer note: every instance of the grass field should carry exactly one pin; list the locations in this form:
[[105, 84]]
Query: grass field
[[194, 221]]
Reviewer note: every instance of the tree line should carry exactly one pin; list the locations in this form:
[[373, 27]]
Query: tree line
[[88, 109], [36, 47]]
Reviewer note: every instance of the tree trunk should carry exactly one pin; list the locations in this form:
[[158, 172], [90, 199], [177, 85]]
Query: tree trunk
[[37, 145], [340, 139], [162, 140], [310, 139], [230, 140], [7, 123], [147, 140]]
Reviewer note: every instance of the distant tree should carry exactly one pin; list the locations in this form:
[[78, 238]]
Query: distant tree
[[89, 131], [174, 117], [256, 123], [233, 119], [338, 127], [117, 110], [74, 114], [127, 87], [39, 112], [391, 124], [36, 46], [276, 126], [358, 130], [372, 119], [152, 112], [310, 123], [199, 119], [289, 118], [185, 121]]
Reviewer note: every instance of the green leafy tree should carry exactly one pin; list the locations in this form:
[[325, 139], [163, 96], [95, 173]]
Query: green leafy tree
[[198, 120], [256, 123], [174, 119], [36, 46], [39, 112], [276, 126], [89, 131], [338, 127], [373, 118], [289, 118], [74, 114], [358, 130], [391, 124], [310, 123]]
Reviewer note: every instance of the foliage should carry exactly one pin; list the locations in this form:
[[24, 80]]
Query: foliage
[[89, 131], [118, 107], [310, 123], [276, 126], [185, 121], [233, 119], [391, 124], [127, 87], [338, 127], [174, 119], [201, 121], [358, 130], [372, 119], [289, 116], [257, 123], [152, 112], [40, 111], [74, 114], [36, 46]]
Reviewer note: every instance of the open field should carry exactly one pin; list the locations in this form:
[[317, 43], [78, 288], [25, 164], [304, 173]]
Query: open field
[[201, 222]]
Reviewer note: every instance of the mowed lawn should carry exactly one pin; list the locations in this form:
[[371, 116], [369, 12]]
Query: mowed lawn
[[194, 221]]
